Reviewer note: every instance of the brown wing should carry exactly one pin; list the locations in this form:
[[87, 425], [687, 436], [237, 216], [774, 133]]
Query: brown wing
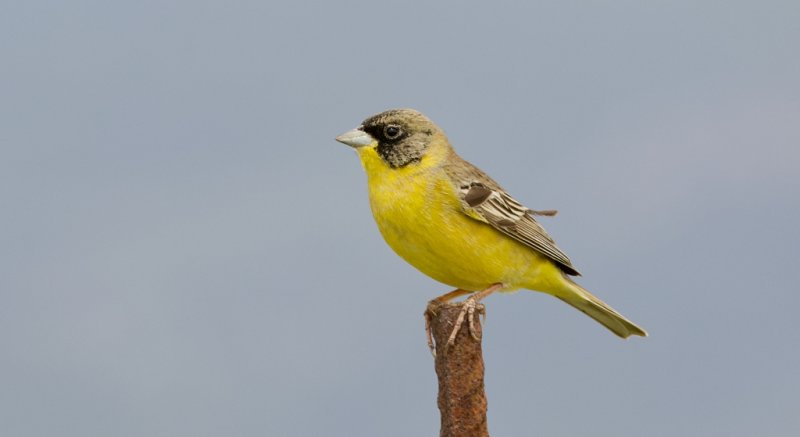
[[484, 200]]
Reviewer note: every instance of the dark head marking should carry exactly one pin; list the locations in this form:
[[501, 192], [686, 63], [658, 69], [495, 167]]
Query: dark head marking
[[403, 135]]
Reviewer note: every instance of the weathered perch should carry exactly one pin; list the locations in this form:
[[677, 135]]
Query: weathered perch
[[462, 400]]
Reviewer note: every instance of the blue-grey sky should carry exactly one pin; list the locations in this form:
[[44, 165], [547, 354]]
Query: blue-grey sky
[[187, 252]]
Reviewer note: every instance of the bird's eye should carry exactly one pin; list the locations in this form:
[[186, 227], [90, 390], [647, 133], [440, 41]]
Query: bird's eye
[[392, 131]]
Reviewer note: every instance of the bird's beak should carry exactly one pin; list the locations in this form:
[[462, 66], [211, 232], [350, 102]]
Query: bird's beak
[[356, 138]]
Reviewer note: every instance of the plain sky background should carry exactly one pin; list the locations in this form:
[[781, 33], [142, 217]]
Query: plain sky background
[[185, 250]]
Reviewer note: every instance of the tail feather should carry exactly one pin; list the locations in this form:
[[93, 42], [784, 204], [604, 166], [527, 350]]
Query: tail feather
[[601, 312]]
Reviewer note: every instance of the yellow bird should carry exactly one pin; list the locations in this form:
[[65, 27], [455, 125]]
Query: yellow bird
[[452, 222]]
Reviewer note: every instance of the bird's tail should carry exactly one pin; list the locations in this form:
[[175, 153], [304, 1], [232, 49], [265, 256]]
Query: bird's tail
[[595, 308]]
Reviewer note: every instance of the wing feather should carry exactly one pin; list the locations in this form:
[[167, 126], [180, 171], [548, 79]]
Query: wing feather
[[483, 199]]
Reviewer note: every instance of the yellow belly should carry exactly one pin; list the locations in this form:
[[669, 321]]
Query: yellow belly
[[421, 219]]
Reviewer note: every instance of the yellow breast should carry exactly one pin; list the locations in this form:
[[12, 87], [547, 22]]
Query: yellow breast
[[419, 215]]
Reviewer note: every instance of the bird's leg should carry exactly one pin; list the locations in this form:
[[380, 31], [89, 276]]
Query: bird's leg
[[431, 310], [468, 310]]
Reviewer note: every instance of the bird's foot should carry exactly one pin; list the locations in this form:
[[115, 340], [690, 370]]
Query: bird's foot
[[468, 309], [433, 308]]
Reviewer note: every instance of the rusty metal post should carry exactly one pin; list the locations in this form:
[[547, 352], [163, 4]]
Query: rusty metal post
[[462, 400]]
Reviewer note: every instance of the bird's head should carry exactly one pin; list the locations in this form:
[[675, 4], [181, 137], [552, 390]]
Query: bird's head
[[398, 137]]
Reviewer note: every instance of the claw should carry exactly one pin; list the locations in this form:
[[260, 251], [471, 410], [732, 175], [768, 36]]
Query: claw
[[430, 312], [472, 330], [459, 321], [468, 311], [429, 333]]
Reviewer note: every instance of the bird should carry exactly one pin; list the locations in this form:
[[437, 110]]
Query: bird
[[455, 224]]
